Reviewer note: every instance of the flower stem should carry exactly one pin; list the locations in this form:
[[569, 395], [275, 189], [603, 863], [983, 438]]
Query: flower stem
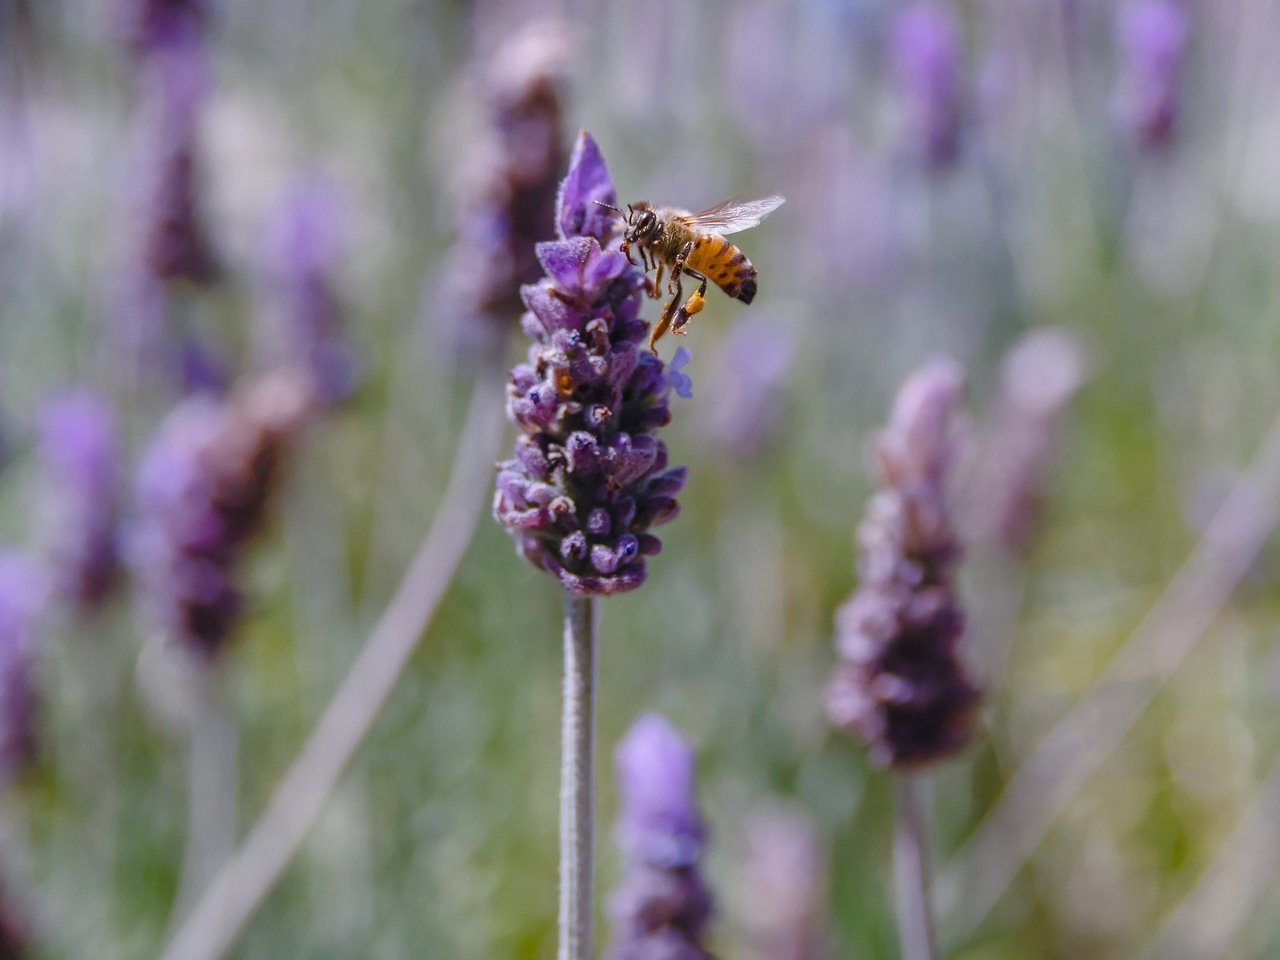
[[577, 779], [225, 906], [911, 872]]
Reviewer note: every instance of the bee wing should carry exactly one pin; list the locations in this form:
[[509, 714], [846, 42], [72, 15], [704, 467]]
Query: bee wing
[[735, 215]]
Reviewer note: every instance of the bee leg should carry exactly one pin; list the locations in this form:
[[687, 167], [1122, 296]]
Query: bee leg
[[677, 268], [664, 322], [692, 306], [655, 284]]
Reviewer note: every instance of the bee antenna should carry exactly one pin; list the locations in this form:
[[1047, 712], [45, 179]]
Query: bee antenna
[[608, 206]]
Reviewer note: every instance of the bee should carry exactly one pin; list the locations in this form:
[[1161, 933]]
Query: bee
[[693, 245]]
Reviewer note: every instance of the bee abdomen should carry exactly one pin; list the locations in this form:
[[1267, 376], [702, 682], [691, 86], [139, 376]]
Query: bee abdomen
[[726, 266]]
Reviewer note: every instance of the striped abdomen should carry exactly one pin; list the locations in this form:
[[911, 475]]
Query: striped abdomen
[[724, 265]]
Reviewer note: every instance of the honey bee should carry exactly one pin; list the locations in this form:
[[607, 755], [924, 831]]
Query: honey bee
[[693, 245]]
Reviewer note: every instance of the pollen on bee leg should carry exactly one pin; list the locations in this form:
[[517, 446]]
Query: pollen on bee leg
[[692, 306]]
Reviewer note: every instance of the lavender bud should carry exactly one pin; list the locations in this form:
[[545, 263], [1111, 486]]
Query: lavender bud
[[175, 243], [306, 250], [204, 488], [588, 401], [510, 187], [23, 596], [783, 887], [661, 908], [1040, 375], [151, 25], [1152, 39], [925, 56], [899, 684], [746, 385], [78, 447]]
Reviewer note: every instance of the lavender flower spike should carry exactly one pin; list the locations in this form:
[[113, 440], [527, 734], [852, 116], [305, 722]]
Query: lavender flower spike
[[203, 491], [78, 447], [589, 478], [1152, 48], [306, 250], [150, 25], [510, 182], [1040, 375], [926, 60], [899, 684], [23, 594], [661, 908]]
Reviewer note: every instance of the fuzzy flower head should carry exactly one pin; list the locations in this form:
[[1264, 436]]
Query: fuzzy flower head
[[81, 498], [1152, 40], [204, 487], [589, 479], [509, 185], [306, 250], [23, 597], [925, 55], [1039, 377], [152, 25], [899, 684], [747, 384], [782, 886], [661, 908]]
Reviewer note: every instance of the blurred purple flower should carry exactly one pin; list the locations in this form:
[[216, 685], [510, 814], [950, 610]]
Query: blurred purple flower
[[678, 380], [1152, 39], [661, 908], [307, 247], [79, 450], [783, 887], [899, 684], [589, 477], [204, 487], [151, 25], [509, 190], [23, 597], [1040, 375], [928, 67], [746, 386], [174, 240]]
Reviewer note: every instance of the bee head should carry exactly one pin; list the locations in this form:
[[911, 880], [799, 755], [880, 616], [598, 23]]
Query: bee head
[[642, 222]]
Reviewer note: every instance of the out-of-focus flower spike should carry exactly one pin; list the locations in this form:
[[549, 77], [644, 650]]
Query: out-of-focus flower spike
[[1039, 377], [899, 684], [782, 887], [204, 488], [662, 907], [589, 478], [24, 592], [1152, 38], [306, 249], [928, 66], [743, 406], [80, 496], [152, 25], [509, 186]]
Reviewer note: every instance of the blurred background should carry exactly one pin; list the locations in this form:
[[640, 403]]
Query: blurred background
[[1075, 199]]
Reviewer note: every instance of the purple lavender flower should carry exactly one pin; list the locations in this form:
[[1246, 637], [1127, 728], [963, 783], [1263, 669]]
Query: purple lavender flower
[[204, 487], [306, 250], [1040, 375], [150, 25], [746, 386], [78, 446], [1152, 38], [925, 54], [661, 908], [175, 243], [511, 178], [589, 478], [23, 595], [783, 887], [899, 684]]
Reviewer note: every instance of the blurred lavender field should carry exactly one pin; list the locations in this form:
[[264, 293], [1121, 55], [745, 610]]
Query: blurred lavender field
[[258, 273]]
